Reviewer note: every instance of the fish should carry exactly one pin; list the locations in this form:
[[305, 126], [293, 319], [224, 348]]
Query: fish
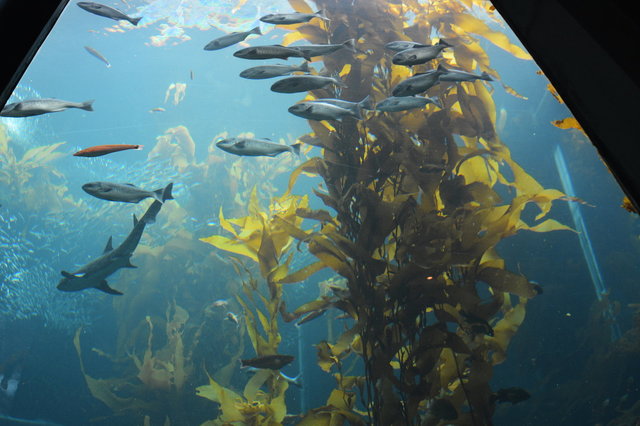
[[363, 104], [271, 362], [220, 303], [256, 147], [296, 381], [512, 395], [304, 83], [31, 107], [231, 39], [97, 151], [403, 103], [98, 55], [233, 318], [94, 274], [419, 55], [311, 316], [477, 325], [270, 71], [322, 111], [400, 45], [126, 193], [158, 109], [418, 83], [107, 12], [312, 50], [271, 51], [459, 75], [292, 18]]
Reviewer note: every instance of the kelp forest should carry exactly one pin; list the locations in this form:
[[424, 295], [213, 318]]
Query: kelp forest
[[406, 216]]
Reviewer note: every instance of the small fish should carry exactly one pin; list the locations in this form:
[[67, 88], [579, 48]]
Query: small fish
[[418, 83], [270, 71], [273, 51], [255, 147], [363, 104], [271, 362], [404, 103], [292, 18], [459, 75], [31, 107], [220, 303], [304, 83], [399, 46], [231, 39], [97, 151], [98, 55], [512, 395], [477, 325], [312, 50], [321, 111], [233, 318], [125, 193], [107, 12], [419, 55], [159, 109], [311, 316], [191, 74]]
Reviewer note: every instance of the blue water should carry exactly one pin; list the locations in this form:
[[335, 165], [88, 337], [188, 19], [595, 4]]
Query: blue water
[[552, 353]]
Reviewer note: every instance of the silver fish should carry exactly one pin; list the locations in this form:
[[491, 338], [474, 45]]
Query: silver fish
[[459, 75], [304, 83], [400, 45], [419, 55], [292, 18], [125, 193], [418, 83], [363, 104], [270, 71], [107, 12], [231, 39], [394, 104], [312, 50], [30, 107], [320, 111], [274, 51], [255, 147], [98, 55]]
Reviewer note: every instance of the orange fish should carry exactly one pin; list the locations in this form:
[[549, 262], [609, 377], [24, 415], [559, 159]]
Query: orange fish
[[96, 151]]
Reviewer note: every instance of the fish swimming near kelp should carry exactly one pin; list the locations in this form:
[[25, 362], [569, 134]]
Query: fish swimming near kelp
[[292, 18], [98, 150], [322, 111], [304, 83], [404, 103], [312, 50], [107, 12], [272, 51], [459, 75], [233, 318], [419, 55], [269, 71], [271, 362], [94, 274], [126, 192], [255, 147], [31, 107], [513, 395], [418, 83], [231, 39], [296, 381], [365, 103], [400, 45], [98, 55]]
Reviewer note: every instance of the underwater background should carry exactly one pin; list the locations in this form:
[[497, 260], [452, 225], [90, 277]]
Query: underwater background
[[420, 228]]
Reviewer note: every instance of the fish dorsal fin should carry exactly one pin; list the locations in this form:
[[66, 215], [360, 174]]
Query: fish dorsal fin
[[109, 246], [129, 184], [267, 139], [135, 220]]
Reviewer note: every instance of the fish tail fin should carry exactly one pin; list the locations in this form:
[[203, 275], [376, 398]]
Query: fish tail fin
[[139, 147], [304, 67], [295, 148], [350, 45], [88, 105], [135, 220], [338, 80], [103, 286], [441, 68], [436, 101], [366, 103], [135, 21], [357, 112], [320, 14], [297, 381], [443, 42], [485, 76], [255, 30], [166, 192]]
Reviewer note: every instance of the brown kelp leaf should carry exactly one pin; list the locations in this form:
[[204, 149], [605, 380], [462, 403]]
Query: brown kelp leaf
[[568, 123], [507, 282], [321, 215]]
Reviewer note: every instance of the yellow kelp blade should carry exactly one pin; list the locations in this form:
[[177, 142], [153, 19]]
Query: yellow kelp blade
[[477, 26], [234, 246], [225, 397]]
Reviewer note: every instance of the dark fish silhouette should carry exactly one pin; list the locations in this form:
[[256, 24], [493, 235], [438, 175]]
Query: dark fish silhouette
[[271, 362], [107, 12]]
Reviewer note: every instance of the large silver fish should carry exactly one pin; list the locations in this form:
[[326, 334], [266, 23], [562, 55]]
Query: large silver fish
[[400, 45], [292, 18], [418, 83], [404, 103], [255, 147], [126, 193], [312, 50], [419, 55], [459, 75], [30, 107], [270, 71], [304, 83], [274, 51], [354, 106], [322, 111], [231, 39], [107, 12]]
